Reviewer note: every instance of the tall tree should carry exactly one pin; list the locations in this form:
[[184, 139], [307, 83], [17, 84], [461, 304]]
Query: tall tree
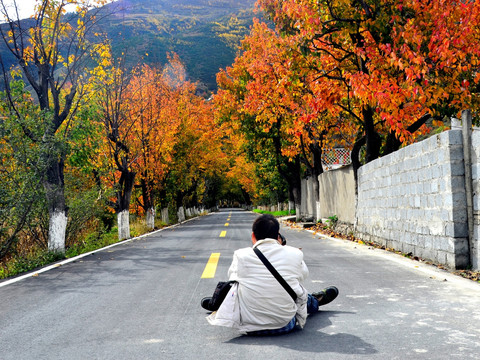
[[197, 154], [157, 133], [51, 50], [154, 100], [385, 66], [118, 115], [20, 192], [268, 82]]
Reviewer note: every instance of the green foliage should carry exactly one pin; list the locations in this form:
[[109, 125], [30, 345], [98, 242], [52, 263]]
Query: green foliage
[[101, 238], [93, 241], [332, 222], [225, 189], [84, 139], [21, 264], [21, 165], [275, 213], [274, 186]]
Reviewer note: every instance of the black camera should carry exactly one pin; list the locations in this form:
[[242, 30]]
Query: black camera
[[284, 241]]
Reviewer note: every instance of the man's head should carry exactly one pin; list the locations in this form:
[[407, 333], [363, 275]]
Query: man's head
[[265, 226]]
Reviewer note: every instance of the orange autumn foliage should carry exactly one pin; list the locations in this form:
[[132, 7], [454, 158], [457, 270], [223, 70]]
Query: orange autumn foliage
[[156, 126], [403, 59]]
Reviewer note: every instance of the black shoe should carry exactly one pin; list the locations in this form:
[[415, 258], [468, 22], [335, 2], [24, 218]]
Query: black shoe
[[206, 303], [326, 295]]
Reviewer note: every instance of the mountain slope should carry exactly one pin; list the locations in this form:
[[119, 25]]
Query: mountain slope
[[204, 33]]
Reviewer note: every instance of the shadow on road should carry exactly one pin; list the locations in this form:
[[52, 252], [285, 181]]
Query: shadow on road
[[312, 340]]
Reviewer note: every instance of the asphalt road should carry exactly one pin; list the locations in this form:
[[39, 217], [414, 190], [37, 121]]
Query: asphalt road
[[141, 300]]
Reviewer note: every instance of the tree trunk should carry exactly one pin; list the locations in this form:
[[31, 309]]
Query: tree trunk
[[291, 206], [392, 143], [150, 218], [181, 214], [124, 194], [356, 154], [372, 138], [165, 218], [317, 171], [296, 191], [55, 193], [289, 170], [292, 176], [148, 204], [123, 222]]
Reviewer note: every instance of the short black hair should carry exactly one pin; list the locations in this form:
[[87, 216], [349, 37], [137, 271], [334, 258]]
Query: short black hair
[[266, 226]]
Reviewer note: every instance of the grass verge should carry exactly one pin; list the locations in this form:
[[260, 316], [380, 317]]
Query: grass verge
[[275, 213], [37, 257]]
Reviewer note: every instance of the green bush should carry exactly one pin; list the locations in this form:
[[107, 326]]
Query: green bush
[[275, 213], [18, 265], [93, 242], [332, 222]]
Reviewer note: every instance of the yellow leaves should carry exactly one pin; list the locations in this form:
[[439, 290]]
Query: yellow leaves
[[105, 61], [16, 73], [99, 73], [71, 60], [102, 54], [28, 54], [59, 59], [10, 37]]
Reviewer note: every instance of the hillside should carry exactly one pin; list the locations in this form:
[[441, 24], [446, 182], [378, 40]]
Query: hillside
[[204, 33]]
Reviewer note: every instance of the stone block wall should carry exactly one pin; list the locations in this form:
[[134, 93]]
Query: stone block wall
[[414, 200], [474, 246]]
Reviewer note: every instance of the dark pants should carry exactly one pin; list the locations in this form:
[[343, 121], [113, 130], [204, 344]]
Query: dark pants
[[312, 307]]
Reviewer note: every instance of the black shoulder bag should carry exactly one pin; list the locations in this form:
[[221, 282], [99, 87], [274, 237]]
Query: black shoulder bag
[[221, 291], [275, 273]]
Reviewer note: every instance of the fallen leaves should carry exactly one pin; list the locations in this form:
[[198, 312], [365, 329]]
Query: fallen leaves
[[469, 274]]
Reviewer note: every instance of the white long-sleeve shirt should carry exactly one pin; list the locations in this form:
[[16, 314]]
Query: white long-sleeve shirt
[[258, 301]]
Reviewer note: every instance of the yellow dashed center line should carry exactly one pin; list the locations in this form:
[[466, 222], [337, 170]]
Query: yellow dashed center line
[[226, 224], [211, 267], [223, 233]]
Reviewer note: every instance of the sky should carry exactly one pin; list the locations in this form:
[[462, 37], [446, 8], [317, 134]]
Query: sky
[[25, 7]]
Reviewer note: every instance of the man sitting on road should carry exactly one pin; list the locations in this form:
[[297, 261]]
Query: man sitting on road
[[257, 303]]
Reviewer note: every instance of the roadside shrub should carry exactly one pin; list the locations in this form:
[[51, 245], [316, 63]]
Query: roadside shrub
[[20, 264], [275, 213]]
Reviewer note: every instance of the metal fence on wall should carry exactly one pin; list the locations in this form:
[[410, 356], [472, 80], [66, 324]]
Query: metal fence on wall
[[335, 158]]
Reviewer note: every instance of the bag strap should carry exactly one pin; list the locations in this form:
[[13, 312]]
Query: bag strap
[[275, 273]]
